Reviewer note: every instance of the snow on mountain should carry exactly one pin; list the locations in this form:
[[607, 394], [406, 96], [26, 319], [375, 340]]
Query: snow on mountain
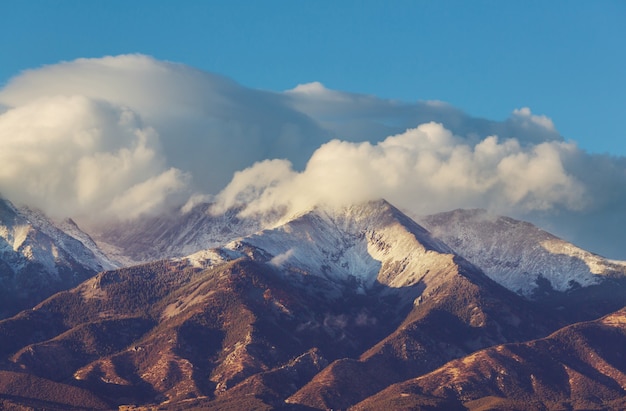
[[28, 235], [39, 257], [517, 254], [367, 243], [363, 245], [172, 234], [70, 238]]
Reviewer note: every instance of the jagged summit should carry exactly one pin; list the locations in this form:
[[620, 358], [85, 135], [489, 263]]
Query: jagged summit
[[368, 243], [39, 257], [519, 255], [365, 241]]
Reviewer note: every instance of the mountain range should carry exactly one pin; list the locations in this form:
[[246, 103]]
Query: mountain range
[[357, 307]]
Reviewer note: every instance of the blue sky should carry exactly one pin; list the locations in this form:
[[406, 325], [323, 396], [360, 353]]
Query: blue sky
[[563, 59]]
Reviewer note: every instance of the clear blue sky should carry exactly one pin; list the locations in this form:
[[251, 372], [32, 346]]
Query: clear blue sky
[[564, 59]]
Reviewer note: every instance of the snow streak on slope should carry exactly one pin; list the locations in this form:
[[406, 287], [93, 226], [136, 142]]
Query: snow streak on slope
[[518, 255]]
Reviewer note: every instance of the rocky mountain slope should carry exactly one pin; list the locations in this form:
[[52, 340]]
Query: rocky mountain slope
[[581, 366], [39, 257], [519, 255], [323, 311]]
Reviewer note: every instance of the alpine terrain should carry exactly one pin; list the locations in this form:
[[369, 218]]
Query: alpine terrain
[[39, 257], [356, 307]]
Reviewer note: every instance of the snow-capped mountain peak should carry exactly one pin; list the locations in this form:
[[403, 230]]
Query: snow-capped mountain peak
[[367, 243], [39, 257], [517, 254]]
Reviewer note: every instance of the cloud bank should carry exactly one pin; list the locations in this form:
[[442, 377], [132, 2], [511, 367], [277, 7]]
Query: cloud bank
[[207, 124], [119, 137], [357, 117], [425, 170], [73, 156]]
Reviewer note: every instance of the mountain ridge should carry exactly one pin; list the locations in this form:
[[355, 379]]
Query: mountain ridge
[[579, 366], [327, 310], [518, 254], [39, 257]]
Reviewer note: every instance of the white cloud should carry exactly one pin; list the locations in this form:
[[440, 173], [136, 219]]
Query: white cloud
[[358, 117], [75, 156], [121, 136], [526, 118], [208, 125], [259, 181], [149, 195], [425, 170], [281, 259]]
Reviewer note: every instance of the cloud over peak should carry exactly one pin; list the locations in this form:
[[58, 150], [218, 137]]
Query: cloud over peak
[[426, 169], [77, 136], [121, 136]]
